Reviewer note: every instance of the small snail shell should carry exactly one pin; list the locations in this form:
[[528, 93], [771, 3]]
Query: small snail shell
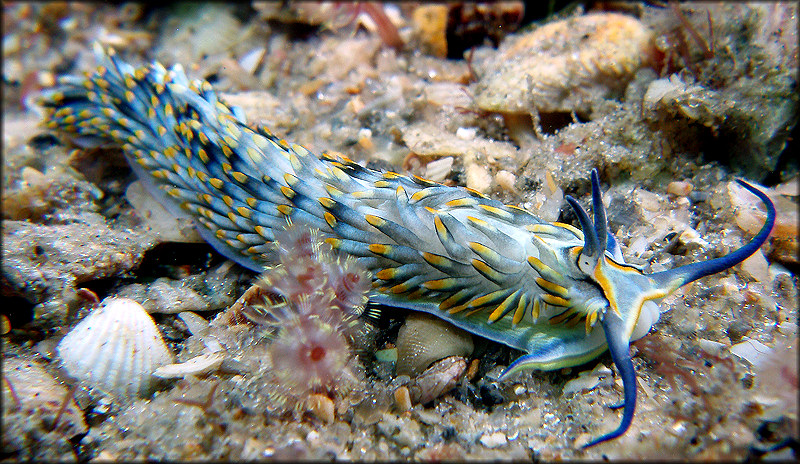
[[424, 339]]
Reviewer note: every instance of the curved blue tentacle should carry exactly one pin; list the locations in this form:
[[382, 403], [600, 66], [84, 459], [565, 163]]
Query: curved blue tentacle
[[600, 221], [591, 244], [694, 271], [613, 326]]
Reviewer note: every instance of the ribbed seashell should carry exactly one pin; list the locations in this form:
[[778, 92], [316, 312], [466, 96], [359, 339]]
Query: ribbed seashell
[[115, 349], [424, 339]]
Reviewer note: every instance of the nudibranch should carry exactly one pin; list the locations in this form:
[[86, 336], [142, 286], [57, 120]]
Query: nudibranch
[[559, 294]]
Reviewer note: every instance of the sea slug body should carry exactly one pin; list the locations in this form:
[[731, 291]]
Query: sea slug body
[[560, 294]]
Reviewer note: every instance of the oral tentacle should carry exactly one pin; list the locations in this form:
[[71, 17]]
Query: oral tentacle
[[618, 345]]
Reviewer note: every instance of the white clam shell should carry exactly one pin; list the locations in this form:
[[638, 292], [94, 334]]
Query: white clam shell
[[115, 349]]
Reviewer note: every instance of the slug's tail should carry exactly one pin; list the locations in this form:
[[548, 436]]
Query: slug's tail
[[193, 152]]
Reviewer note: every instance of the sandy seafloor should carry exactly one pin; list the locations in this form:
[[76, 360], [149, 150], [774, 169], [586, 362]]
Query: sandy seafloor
[[717, 374]]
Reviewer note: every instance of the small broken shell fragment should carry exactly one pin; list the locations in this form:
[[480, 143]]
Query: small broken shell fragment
[[402, 398], [199, 365], [115, 349], [587, 380], [195, 323], [322, 407], [437, 380], [751, 352], [424, 339], [439, 169]]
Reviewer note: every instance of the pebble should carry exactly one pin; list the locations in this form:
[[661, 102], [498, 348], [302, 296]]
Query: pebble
[[402, 431], [424, 139], [166, 296], [493, 440], [478, 177], [556, 66], [505, 180], [757, 267], [430, 24], [452, 95], [39, 396], [750, 213], [371, 409], [680, 189], [738, 329], [402, 399], [466, 133]]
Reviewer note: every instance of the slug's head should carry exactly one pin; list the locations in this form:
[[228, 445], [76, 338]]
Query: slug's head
[[628, 291]]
